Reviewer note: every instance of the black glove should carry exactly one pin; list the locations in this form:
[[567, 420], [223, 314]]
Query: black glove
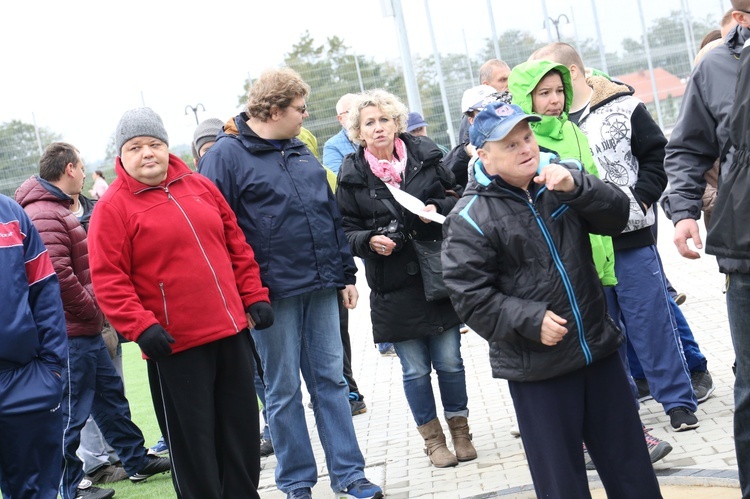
[[155, 341], [262, 314]]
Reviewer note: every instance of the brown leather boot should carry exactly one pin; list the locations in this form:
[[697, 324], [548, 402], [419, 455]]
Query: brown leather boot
[[461, 437], [434, 441]]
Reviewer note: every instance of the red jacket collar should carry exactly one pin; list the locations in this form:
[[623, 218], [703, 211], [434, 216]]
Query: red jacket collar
[[176, 170]]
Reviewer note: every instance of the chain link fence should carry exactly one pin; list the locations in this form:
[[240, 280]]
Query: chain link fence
[[674, 29]]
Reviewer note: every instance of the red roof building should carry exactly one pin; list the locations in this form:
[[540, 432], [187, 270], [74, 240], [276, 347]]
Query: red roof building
[[666, 83]]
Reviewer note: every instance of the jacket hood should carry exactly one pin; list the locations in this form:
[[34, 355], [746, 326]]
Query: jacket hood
[[37, 189], [237, 127], [736, 39], [176, 169], [606, 90], [523, 80], [525, 77]]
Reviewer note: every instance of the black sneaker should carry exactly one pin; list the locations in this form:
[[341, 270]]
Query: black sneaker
[[154, 466], [266, 447], [683, 419], [108, 473], [703, 385], [680, 298], [86, 490], [644, 392], [358, 407]]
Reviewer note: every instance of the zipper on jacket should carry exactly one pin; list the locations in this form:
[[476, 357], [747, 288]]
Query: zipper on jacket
[[205, 256], [164, 300], [563, 274]]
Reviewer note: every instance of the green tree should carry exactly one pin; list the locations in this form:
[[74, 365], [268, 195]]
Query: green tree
[[666, 39], [20, 152], [330, 70], [515, 47]]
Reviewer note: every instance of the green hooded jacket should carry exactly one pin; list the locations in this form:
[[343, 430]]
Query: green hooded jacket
[[558, 134]]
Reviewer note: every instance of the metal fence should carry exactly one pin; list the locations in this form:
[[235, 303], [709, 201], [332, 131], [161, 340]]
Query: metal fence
[[608, 34]]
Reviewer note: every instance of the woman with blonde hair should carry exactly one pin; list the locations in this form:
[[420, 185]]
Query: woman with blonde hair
[[425, 333]]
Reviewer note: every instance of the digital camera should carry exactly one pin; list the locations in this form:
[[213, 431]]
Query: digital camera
[[394, 232]]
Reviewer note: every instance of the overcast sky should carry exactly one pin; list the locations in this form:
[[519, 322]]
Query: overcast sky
[[78, 65]]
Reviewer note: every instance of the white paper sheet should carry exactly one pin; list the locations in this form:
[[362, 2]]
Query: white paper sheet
[[414, 205]]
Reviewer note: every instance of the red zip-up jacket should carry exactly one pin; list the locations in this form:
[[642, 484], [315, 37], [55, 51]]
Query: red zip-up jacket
[[173, 255]]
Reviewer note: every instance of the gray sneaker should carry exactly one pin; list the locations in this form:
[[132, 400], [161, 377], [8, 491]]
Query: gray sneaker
[[703, 385], [108, 473]]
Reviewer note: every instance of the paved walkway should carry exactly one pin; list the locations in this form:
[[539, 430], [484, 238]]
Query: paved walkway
[[393, 448]]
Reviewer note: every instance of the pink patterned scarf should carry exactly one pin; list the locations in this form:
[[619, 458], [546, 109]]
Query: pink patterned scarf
[[389, 171]]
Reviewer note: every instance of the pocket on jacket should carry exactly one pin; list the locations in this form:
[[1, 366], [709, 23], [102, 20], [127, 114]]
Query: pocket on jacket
[[164, 302], [30, 388]]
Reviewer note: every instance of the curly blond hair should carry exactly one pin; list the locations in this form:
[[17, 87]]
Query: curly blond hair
[[386, 102], [275, 87]]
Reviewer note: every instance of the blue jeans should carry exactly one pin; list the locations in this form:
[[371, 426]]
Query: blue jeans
[[738, 310], [260, 390], [643, 306], [305, 336], [93, 387], [418, 357]]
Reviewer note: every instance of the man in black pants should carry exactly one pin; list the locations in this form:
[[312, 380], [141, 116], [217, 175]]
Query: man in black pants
[[518, 265]]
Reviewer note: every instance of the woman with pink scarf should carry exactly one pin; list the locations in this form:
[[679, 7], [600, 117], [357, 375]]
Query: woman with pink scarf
[[425, 333]]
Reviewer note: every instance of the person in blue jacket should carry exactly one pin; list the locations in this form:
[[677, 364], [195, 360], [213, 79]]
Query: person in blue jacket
[[33, 352], [283, 203]]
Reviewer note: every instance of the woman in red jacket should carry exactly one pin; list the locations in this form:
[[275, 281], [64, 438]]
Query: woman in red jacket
[[172, 271]]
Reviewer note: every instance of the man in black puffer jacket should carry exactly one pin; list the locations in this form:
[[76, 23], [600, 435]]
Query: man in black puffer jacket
[[518, 265]]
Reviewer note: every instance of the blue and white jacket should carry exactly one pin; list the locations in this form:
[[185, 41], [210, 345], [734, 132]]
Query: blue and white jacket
[[336, 149], [33, 337], [510, 254]]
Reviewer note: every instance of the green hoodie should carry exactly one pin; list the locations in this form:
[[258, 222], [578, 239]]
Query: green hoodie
[[558, 134]]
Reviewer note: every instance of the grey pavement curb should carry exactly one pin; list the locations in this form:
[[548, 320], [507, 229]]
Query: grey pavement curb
[[681, 476]]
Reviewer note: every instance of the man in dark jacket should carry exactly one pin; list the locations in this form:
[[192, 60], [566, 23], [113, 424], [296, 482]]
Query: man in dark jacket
[[33, 350], [283, 204], [714, 116], [517, 262], [92, 386]]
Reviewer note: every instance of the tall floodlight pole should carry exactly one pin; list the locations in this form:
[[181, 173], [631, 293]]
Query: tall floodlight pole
[[686, 30], [575, 30], [359, 75], [468, 57], [650, 67], [410, 80], [602, 53], [690, 27], [441, 80], [38, 137], [494, 31], [546, 22]]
